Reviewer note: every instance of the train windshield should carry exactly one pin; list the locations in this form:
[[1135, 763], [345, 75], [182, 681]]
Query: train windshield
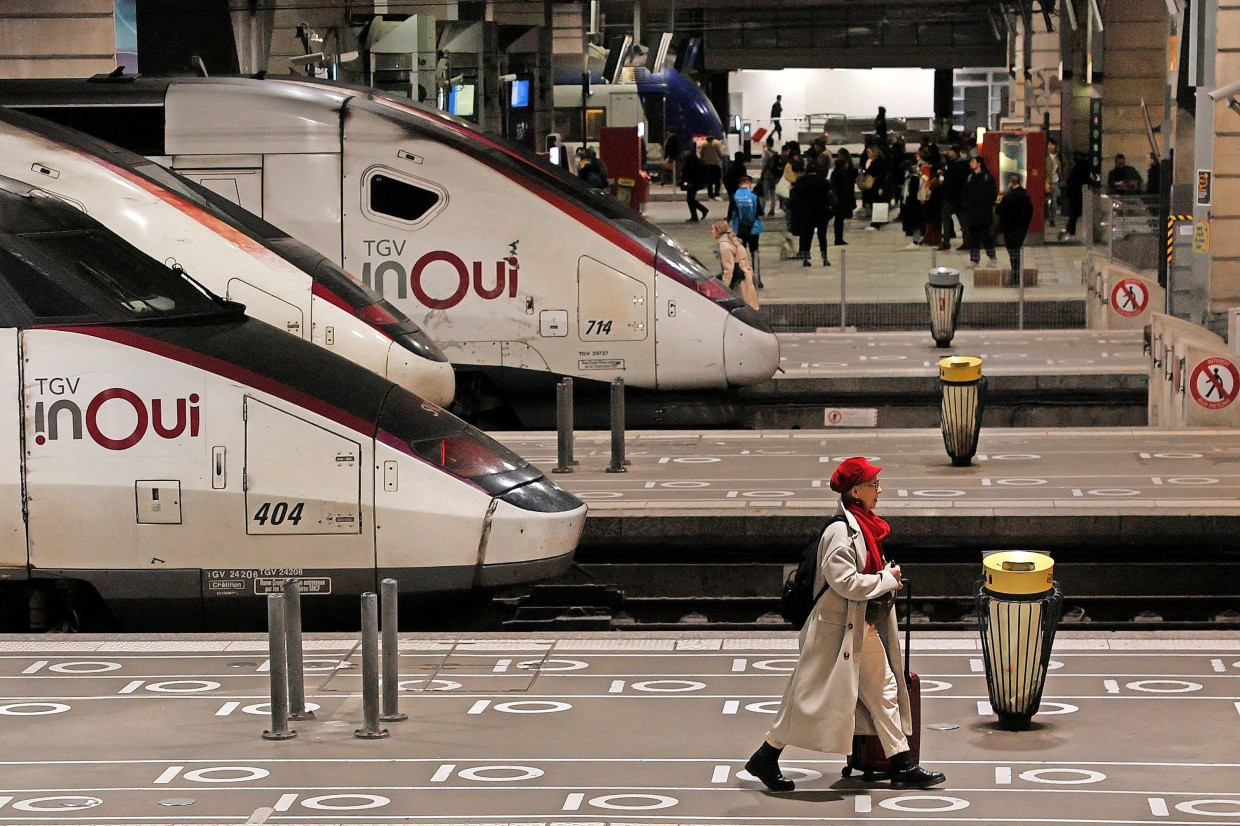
[[435, 436], [678, 263], [65, 267]]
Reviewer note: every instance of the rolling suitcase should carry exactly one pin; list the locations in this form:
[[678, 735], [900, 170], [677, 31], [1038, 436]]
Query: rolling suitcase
[[867, 752]]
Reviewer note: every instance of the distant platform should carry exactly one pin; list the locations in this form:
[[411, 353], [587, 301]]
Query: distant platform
[[1071, 488], [596, 730]]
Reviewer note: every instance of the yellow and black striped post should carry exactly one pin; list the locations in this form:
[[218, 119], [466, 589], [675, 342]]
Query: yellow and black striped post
[[1172, 220]]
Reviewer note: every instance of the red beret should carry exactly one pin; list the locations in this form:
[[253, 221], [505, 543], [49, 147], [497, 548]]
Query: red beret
[[853, 472]]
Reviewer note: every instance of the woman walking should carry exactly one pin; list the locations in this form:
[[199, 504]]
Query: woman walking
[[849, 678], [737, 269]]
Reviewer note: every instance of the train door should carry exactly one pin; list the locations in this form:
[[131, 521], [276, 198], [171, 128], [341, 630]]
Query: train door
[[613, 324], [304, 484], [12, 525]]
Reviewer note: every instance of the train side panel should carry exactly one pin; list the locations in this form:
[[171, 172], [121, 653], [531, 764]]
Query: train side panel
[[12, 525], [444, 237], [182, 469]]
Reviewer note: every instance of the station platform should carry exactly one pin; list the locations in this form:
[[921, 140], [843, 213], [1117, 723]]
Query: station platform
[[1079, 489], [883, 280], [1077, 378], [597, 730]]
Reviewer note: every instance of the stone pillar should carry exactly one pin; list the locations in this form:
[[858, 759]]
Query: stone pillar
[[1038, 88], [1224, 211], [57, 38], [1134, 68]]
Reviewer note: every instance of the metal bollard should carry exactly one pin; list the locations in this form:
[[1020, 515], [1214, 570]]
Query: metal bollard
[[934, 258], [843, 290], [277, 647], [572, 421], [370, 670], [617, 428], [563, 429], [390, 712], [292, 633]]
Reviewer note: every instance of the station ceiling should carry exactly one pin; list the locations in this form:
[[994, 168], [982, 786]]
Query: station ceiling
[[779, 34]]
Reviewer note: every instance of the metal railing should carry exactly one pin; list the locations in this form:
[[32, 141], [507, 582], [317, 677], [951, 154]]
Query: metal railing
[[1127, 229]]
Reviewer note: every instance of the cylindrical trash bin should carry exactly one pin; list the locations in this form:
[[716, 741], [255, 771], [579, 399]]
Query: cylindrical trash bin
[[963, 392], [944, 293], [1018, 607]]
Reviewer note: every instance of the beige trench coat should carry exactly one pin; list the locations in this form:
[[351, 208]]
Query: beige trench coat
[[820, 710], [732, 251]]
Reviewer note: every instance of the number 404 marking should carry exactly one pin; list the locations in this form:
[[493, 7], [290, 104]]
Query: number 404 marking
[[278, 513]]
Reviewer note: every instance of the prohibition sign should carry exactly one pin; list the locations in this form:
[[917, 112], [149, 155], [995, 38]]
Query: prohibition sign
[[1214, 383], [1129, 297]]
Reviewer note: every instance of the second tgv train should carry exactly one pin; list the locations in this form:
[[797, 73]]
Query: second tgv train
[[165, 449], [516, 269], [233, 253]]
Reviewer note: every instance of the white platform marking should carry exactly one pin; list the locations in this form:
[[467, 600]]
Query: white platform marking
[[443, 773], [169, 774], [733, 706], [721, 774], [1218, 666], [501, 666], [572, 803], [1003, 775], [479, 707], [285, 802], [1158, 807], [34, 667], [863, 804], [1111, 686]]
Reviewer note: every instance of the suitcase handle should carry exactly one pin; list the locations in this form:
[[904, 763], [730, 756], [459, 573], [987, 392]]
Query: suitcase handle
[[908, 625]]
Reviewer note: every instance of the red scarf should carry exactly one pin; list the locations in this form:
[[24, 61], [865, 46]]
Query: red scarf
[[875, 529]]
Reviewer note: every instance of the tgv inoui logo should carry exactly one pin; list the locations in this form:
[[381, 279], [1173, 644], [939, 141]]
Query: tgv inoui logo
[[440, 279], [116, 418]]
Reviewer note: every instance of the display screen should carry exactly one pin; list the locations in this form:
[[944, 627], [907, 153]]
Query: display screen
[[520, 93], [461, 100]]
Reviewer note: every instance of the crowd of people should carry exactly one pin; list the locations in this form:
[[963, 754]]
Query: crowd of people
[[940, 194]]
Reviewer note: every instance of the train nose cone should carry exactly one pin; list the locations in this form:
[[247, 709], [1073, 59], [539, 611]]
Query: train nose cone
[[432, 380], [750, 355]]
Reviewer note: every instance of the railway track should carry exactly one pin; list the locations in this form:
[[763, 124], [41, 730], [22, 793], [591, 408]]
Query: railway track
[[600, 608]]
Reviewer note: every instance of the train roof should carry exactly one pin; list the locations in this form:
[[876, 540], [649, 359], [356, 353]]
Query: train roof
[[168, 116]]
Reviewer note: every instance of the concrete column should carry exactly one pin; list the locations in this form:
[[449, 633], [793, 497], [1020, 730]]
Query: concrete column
[[1038, 94], [1134, 68], [1224, 210]]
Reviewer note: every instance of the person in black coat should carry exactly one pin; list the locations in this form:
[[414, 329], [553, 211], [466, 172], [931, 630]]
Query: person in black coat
[[811, 205], [955, 173], [1015, 213], [980, 192], [844, 185], [1074, 194], [694, 172]]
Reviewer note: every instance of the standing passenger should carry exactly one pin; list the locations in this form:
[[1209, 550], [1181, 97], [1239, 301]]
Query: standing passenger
[[777, 112], [1015, 213], [849, 678], [980, 192], [712, 157], [844, 184]]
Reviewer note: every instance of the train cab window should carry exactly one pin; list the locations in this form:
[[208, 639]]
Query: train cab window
[[42, 298], [400, 199]]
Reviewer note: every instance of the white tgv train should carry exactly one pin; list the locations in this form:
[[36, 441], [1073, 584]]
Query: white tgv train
[[516, 269], [279, 280], [165, 449]]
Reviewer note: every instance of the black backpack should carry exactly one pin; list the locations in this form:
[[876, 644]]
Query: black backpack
[[797, 598]]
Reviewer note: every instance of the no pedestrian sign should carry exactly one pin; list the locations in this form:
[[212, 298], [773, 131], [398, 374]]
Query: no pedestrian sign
[[1130, 297], [1214, 383]]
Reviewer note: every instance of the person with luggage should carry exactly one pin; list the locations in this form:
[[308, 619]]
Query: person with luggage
[[849, 676], [735, 263]]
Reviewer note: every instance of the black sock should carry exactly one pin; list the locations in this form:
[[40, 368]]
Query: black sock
[[767, 750]]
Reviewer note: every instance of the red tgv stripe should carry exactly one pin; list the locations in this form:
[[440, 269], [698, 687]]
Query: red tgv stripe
[[226, 370]]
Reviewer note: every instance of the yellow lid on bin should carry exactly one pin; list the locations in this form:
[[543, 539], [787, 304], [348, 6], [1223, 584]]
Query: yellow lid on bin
[[960, 368], [1018, 572]]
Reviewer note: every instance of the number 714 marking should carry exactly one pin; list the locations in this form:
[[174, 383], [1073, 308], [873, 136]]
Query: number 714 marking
[[598, 327]]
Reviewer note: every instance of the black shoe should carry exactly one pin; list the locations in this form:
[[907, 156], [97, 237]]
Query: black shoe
[[764, 766], [804, 262], [915, 777], [705, 212], [841, 243], [944, 247], [759, 285], [825, 262]]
